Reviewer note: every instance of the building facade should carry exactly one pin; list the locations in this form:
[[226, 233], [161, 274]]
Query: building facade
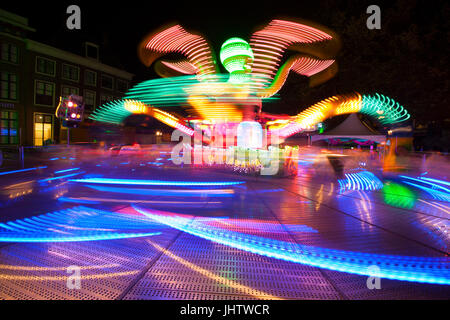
[[33, 78]]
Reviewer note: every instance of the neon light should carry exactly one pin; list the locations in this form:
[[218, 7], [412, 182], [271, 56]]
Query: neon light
[[381, 108], [21, 170], [363, 180], [398, 196], [61, 177], [437, 191], [405, 268], [182, 66], [177, 39], [272, 41], [67, 170], [155, 182], [445, 183], [183, 204], [236, 55], [77, 200], [76, 224], [168, 192], [256, 73]]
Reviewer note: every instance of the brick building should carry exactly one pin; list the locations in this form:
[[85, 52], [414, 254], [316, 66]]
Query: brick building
[[33, 77]]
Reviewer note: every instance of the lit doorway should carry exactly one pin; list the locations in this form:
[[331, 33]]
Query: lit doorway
[[43, 128]]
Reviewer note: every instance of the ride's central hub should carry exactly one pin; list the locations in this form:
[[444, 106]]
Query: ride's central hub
[[236, 56]]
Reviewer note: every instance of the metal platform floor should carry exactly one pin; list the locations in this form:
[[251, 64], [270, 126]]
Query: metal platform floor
[[179, 265]]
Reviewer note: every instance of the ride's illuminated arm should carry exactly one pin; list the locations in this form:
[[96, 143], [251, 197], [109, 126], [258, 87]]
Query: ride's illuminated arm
[[383, 109], [270, 43], [176, 39], [303, 65], [117, 111]]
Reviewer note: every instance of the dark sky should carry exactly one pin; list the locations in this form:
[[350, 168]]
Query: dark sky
[[119, 26], [407, 59]]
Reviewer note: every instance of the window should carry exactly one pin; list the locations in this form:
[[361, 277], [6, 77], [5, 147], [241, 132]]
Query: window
[[90, 78], [89, 100], [105, 98], [44, 93], [107, 82], [45, 66], [70, 72], [10, 53], [8, 127], [8, 86], [122, 86], [67, 91], [43, 128]]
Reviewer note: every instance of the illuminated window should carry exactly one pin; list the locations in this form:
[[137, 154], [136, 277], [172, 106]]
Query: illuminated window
[[8, 127], [90, 78], [9, 53], [8, 86], [45, 66], [43, 129], [70, 72], [44, 93], [107, 82]]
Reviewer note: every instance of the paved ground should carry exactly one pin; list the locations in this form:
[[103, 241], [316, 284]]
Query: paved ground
[[180, 262]]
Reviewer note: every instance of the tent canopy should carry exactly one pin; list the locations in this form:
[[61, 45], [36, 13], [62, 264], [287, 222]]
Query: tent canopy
[[351, 128]]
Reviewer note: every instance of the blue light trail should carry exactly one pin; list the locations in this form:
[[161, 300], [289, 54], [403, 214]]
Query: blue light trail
[[360, 181], [405, 268], [67, 170], [155, 182], [77, 224], [166, 192], [21, 170], [436, 190], [61, 177]]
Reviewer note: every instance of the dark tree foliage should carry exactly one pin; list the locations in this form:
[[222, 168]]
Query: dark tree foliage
[[407, 59]]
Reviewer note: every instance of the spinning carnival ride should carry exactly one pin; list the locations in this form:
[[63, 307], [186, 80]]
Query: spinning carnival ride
[[217, 103], [257, 69]]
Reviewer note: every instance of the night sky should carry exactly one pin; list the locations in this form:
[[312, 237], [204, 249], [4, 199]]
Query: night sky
[[407, 59]]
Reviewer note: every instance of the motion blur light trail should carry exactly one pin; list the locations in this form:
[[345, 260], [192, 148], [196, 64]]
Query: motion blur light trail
[[63, 278], [222, 193], [415, 269], [398, 196], [222, 280], [364, 180], [60, 177], [21, 170], [256, 73], [384, 109], [67, 170], [76, 224], [182, 204], [131, 182], [434, 187]]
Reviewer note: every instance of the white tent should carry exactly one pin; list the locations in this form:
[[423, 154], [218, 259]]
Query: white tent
[[351, 128]]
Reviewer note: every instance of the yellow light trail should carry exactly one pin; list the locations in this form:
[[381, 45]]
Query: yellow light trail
[[228, 282]]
